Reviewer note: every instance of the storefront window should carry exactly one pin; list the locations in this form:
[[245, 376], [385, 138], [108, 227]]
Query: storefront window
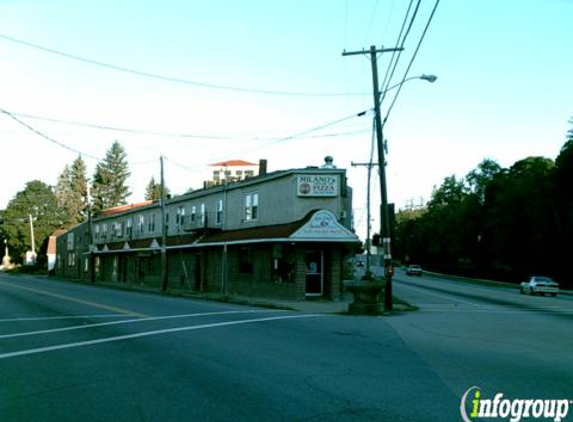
[[246, 260]]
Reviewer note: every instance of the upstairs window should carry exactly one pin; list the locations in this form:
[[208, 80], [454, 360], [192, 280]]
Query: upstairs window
[[96, 232], [118, 229], [219, 216], [251, 206], [104, 231], [151, 223], [193, 212], [140, 223], [128, 228], [203, 216]]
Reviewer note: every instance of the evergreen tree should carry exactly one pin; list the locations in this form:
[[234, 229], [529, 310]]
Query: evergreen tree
[[109, 182], [71, 193], [79, 185], [153, 190]]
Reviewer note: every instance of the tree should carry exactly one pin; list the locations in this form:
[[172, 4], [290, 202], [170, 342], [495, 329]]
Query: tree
[[564, 203], [71, 192], [36, 200], [109, 182], [153, 190]]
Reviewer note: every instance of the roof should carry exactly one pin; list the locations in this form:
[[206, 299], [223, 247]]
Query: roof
[[122, 208], [232, 163], [58, 232]]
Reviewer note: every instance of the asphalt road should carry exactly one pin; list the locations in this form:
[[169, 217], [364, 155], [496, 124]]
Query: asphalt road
[[73, 352]]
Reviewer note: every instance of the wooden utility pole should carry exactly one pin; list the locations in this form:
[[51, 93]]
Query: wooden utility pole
[[164, 276], [369, 165], [384, 217]]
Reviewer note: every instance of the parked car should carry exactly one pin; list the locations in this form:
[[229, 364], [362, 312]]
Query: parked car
[[539, 285], [414, 270]]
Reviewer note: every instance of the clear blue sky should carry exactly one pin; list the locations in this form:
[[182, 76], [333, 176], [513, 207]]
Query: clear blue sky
[[504, 88]]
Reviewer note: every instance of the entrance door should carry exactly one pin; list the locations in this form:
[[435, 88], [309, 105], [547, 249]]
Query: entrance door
[[314, 273]]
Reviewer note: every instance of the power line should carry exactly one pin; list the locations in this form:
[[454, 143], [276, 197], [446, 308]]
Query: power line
[[411, 61], [37, 132], [171, 78], [388, 77], [168, 134]]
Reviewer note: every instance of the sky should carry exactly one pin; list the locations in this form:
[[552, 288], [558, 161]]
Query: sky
[[254, 79]]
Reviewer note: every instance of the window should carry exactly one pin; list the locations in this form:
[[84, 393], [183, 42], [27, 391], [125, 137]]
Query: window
[[251, 206], [219, 217], [249, 173], [203, 216], [180, 217], [71, 259], [140, 223], [86, 265], [239, 173], [128, 224], [104, 231], [118, 229], [245, 260], [96, 232], [151, 223], [193, 212], [216, 173]]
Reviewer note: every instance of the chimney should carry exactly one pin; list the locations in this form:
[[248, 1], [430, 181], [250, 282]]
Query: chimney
[[262, 167]]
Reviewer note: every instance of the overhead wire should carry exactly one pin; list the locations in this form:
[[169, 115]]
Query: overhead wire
[[43, 135], [396, 56], [411, 61], [171, 78], [176, 135]]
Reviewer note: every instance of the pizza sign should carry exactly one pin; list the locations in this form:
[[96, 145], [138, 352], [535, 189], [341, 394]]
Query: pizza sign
[[317, 185]]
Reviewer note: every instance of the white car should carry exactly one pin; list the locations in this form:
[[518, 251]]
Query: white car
[[539, 285]]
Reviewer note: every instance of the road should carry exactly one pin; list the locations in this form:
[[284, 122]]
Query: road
[[72, 352]]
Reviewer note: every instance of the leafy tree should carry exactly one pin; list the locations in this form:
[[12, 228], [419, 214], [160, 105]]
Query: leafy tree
[[564, 203], [520, 223], [39, 201], [109, 182], [153, 190]]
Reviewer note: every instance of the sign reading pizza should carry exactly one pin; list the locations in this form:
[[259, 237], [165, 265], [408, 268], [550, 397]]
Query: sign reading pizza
[[317, 185]]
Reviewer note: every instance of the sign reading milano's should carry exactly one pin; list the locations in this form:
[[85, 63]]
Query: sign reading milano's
[[317, 185]]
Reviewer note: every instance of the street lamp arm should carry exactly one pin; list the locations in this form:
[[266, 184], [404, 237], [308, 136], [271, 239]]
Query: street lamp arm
[[429, 78]]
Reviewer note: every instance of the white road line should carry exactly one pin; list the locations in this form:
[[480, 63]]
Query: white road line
[[61, 317], [437, 294], [147, 334], [128, 321], [503, 311]]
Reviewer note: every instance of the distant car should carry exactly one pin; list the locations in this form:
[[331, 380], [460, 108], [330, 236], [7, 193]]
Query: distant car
[[539, 285], [414, 270], [359, 263]]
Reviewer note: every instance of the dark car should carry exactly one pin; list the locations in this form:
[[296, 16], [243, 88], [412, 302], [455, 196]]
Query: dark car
[[414, 270]]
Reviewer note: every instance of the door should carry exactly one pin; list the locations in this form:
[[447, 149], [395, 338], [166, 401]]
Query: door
[[314, 272]]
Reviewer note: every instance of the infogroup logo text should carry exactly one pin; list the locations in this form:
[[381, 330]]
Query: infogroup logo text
[[515, 410]]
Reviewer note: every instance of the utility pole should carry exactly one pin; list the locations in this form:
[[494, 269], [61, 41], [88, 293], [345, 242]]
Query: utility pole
[[91, 233], [369, 165], [164, 277], [384, 217], [33, 257]]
